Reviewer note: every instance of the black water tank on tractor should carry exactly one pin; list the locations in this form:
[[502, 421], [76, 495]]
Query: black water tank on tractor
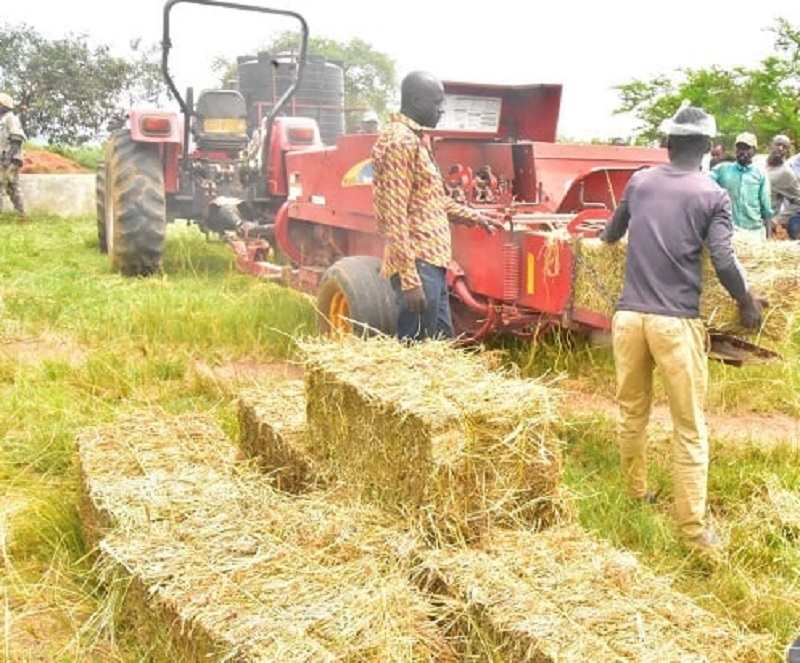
[[265, 77]]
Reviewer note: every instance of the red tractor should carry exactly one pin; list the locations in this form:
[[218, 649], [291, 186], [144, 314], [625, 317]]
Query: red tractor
[[217, 163], [296, 209]]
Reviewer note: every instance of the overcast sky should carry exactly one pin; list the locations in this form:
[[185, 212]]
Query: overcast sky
[[588, 47]]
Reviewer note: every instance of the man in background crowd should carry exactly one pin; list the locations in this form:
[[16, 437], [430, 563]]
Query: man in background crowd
[[718, 155], [784, 189], [748, 188], [369, 123], [11, 139]]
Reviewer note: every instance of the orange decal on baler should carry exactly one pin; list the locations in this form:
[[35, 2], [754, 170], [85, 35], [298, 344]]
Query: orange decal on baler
[[529, 276]]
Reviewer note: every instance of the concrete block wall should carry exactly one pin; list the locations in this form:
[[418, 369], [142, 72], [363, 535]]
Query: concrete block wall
[[62, 195]]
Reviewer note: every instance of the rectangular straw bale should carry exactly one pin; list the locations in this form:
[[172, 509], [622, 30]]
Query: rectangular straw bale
[[272, 429], [598, 275], [564, 595], [427, 431], [126, 484], [232, 569], [772, 269]]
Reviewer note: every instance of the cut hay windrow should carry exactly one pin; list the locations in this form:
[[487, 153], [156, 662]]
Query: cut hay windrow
[[272, 429], [563, 595], [238, 570], [772, 269], [428, 432]]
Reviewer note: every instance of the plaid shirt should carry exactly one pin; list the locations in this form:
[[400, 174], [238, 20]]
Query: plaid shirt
[[412, 208]]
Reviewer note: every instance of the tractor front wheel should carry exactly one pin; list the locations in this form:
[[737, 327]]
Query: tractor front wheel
[[135, 207], [354, 298]]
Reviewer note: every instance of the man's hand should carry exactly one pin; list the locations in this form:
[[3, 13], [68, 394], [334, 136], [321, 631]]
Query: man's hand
[[750, 308], [489, 224], [414, 300]]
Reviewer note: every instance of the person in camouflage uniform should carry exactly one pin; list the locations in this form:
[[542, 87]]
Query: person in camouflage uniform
[[12, 137]]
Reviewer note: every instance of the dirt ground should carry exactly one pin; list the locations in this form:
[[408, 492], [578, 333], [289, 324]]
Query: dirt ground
[[741, 426], [744, 426], [41, 162]]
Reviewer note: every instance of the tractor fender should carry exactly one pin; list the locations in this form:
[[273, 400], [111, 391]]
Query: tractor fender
[[155, 126], [282, 234]]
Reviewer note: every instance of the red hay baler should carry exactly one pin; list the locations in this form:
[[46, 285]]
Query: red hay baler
[[496, 147]]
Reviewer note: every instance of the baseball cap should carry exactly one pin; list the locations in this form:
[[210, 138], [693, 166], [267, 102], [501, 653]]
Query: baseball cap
[[370, 116], [6, 100], [746, 138]]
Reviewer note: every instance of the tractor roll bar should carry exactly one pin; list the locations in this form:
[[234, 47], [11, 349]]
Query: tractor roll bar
[[166, 45]]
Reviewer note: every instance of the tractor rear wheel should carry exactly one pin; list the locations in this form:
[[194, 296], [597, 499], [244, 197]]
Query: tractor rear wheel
[[354, 298], [135, 207]]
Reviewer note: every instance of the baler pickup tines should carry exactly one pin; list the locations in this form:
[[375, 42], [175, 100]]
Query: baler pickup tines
[[735, 351]]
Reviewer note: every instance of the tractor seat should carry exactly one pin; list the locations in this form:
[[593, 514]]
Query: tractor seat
[[220, 121]]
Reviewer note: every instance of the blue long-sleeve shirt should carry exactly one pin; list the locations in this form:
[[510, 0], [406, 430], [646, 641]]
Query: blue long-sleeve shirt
[[748, 187]]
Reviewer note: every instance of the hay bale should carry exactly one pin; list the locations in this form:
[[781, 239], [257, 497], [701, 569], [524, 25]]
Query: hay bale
[[428, 432], [772, 268], [235, 570], [773, 271], [563, 595], [598, 274], [272, 429]]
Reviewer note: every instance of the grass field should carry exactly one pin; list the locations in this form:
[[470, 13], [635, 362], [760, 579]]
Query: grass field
[[80, 345]]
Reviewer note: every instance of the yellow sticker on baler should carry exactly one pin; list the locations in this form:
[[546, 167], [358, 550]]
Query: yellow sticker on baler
[[530, 281]]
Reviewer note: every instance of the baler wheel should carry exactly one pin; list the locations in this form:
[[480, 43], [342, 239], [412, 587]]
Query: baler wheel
[[135, 207], [100, 198], [354, 298]]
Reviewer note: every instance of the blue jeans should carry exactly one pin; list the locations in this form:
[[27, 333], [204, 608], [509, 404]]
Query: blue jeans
[[793, 226], [436, 320]]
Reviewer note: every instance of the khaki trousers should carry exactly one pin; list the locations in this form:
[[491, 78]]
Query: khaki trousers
[[676, 346]]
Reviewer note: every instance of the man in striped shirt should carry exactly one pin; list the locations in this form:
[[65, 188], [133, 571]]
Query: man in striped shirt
[[413, 211]]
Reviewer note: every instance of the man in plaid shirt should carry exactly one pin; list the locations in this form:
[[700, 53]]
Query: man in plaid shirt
[[413, 211]]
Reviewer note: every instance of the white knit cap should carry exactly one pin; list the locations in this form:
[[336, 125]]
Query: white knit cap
[[707, 126]]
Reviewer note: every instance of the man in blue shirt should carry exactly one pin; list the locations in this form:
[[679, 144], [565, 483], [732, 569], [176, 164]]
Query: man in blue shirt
[[748, 187]]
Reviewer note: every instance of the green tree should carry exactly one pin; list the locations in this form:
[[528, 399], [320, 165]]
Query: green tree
[[764, 100], [67, 90], [370, 79]]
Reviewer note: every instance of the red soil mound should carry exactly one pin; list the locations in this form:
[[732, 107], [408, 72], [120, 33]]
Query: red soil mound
[[44, 162]]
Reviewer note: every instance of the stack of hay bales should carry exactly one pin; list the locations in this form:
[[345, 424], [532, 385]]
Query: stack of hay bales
[[240, 571], [428, 433], [386, 422], [234, 570], [772, 268]]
